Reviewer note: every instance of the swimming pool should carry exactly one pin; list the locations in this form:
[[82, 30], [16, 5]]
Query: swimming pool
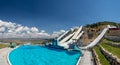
[[40, 55]]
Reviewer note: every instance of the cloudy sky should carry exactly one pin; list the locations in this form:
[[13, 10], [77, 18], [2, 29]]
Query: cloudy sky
[[13, 30], [55, 15]]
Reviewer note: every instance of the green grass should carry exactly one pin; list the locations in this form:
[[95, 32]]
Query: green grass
[[101, 57], [3, 45], [113, 50]]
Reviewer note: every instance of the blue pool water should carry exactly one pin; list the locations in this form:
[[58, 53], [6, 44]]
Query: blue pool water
[[39, 55]]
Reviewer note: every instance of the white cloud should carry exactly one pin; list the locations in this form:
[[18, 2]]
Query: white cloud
[[34, 29], [13, 30], [57, 33], [62, 31], [42, 31], [19, 29], [2, 29]]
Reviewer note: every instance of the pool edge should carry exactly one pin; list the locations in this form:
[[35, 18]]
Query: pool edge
[[19, 46], [9, 54], [79, 59]]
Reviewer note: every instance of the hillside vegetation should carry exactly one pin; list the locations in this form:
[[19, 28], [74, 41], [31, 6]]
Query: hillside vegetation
[[93, 30], [94, 25]]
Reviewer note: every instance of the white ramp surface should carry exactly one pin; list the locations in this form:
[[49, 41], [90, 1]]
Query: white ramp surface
[[71, 41], [62, 35], [66, 38], [79, 35], [76, 35], [96, 40]]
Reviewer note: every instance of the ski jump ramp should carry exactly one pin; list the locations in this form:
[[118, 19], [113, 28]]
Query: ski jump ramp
[[70, 38], [67, 37], [66, 44], [96, 40], [92, 44], [62, 35]]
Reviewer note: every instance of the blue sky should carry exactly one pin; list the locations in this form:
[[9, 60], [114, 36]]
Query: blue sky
[[54, 15]]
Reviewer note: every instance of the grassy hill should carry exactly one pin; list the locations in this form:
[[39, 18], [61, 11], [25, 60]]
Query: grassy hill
[[93, 30]]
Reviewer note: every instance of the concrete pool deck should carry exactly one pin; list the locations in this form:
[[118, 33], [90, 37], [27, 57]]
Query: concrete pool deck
[[86, 58], [3, 55]]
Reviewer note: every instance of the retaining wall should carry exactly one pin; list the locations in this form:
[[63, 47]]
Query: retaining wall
[[113, 44], [113, 38], [110, 57], [96, 59]]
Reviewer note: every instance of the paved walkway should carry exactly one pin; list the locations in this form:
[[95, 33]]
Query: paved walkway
[[86, 58], [3, 55]]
